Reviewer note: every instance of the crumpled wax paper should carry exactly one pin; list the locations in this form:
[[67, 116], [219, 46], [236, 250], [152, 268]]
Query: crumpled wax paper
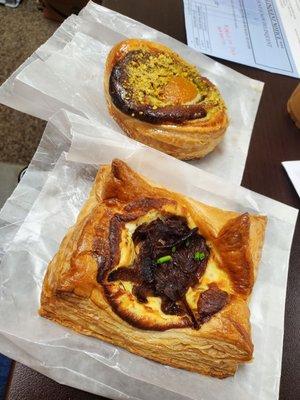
[[35, 219], [67, 72]]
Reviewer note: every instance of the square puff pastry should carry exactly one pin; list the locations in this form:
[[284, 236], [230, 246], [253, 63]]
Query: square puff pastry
[[78, 294]]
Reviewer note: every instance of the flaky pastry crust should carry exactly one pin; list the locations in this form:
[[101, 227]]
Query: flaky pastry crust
[[190, 139], [78, 294]]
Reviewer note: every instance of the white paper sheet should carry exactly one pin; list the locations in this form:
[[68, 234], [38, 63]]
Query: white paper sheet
[[67, 72], [55, 187], [293, 170]]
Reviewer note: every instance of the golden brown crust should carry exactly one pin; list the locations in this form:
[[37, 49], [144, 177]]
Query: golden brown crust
[[73, 297], [188, 140]]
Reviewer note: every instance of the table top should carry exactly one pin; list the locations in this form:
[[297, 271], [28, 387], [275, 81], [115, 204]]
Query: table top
[[275, 139]]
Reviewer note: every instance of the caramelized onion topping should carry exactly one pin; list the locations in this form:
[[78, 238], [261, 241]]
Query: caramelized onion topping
[[210, 302], [166, 265]]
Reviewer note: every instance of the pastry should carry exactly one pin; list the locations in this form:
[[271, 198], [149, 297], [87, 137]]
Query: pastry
[[157, 273], [160, 100]]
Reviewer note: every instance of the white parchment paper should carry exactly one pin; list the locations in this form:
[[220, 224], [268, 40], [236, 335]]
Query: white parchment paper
[[67, 72], [35, 219]]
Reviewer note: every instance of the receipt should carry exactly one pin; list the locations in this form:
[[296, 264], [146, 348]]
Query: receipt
[[260, 33]]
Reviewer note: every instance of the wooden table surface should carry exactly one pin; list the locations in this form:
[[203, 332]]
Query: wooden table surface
[[274, 139]]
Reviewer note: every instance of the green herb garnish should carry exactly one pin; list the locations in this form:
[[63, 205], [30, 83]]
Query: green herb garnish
[[173, 249], [199, 256], [163, 259]]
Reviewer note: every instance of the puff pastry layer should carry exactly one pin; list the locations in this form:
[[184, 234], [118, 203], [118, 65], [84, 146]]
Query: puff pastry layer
[[159, 99], [192, 315]]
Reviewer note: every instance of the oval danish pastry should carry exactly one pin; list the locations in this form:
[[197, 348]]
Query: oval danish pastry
[[159, 99]]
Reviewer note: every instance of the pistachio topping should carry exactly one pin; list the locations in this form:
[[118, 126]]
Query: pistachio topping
[[160, 87]]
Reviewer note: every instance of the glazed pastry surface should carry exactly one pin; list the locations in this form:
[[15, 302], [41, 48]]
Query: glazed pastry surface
[[157, 273], [159, 99]]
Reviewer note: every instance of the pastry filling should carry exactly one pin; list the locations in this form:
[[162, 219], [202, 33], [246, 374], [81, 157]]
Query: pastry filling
[[157, 88], [171, 258]]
